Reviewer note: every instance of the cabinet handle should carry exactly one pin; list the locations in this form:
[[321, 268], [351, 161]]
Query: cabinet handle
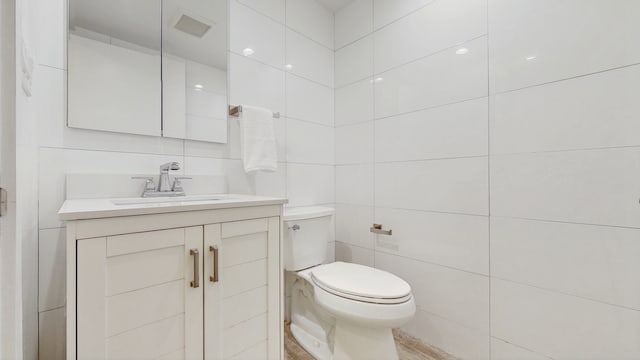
[[196, 268], [214, 250]]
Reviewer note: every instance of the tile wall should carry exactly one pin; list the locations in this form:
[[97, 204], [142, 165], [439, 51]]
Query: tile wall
[[299, 33], [500, 140]]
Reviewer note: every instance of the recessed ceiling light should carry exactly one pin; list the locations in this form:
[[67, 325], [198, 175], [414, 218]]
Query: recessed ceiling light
[[462, 51], [288, 66], [247, 51], [198, 86], [529, 58]]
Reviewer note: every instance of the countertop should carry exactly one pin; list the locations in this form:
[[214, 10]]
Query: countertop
[[83, 209]]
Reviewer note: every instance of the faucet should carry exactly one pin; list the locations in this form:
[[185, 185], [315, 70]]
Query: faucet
[[165, 187], [163, 182]]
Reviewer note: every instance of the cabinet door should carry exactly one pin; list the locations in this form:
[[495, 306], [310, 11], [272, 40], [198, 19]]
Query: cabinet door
[[242, 303], [136, 296]]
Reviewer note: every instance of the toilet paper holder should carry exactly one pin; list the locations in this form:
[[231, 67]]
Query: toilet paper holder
[[377, 229]]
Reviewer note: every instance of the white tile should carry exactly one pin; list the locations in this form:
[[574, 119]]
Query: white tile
[[455, 295], [272, 183], [594, 262], [439, 79], [456, 241], [452, 185], [311, 19], [307, 100], [502, 350], [310, 143], [309, 59], [354, 184], [354, 254], [353, 22], [354, 103], [51, 269], [354, 144], [249, 29], [272, 8], [55, 163], [354, 62], [588, 186], [52, 335], [449, 336], [456, 130], [575, 38], [238, 181], [353, 223], [256, 84], [232, 150], [53, 130], [438, 26], [386, 11], [310, 184], [597, 111], [331, 252], [51, 33], [537, 319]]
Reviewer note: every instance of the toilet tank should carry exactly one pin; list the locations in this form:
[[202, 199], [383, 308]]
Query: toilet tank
[[307, 232]]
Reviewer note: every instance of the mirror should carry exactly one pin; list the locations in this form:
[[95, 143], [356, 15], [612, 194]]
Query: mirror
[[149, 67], [194, 69]]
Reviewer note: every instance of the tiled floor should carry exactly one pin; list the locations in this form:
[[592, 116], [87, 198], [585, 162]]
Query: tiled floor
[[409, 348]]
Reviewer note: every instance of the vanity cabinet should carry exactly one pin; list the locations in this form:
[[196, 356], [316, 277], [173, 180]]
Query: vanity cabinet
[[185, 285]]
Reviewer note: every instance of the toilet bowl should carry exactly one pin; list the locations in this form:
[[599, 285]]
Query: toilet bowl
[[340, 310]]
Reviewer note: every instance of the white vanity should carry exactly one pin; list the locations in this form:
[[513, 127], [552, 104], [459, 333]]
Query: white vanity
[[189, 278]]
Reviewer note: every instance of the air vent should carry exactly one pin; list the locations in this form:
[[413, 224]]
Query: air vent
[[192, 26]]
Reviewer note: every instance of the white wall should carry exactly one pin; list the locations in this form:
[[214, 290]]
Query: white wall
[[10, 291], [508, 171], [26, 190], [279, 34]]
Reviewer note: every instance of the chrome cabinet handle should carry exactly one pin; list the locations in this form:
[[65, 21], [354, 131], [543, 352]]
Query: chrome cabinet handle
[[196, 268], [214, 250]]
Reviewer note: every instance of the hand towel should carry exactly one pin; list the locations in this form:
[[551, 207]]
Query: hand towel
[[258, 139]]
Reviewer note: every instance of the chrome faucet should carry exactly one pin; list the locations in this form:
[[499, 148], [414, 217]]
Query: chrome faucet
[[165, 187], [163, 182]]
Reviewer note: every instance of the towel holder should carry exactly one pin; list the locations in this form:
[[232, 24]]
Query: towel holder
[[237, 109]]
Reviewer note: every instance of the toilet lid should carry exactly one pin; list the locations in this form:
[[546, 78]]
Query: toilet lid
[[361, 283]]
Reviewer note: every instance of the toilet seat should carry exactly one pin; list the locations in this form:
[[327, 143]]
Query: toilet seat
[[361, 283]]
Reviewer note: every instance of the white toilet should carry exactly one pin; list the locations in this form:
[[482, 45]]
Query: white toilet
[[339, 310]]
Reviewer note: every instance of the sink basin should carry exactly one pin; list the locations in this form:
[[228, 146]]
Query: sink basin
[[169, 200]]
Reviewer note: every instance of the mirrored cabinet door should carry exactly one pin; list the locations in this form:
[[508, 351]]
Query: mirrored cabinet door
[[194, 72], [149, 67], [114, 66]]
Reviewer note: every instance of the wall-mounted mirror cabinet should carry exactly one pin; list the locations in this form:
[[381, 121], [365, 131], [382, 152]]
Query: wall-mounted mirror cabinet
[[149, 67]]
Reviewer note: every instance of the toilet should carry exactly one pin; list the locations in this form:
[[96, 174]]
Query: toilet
[[339, 311]]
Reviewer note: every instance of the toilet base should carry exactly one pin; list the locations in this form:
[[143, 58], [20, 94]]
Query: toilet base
[[317, 348], [356, 343]]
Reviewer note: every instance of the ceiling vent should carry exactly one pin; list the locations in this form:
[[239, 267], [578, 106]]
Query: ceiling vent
[[191, 25]]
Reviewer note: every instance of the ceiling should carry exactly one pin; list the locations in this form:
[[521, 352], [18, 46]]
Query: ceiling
[[139, 22], [335, 5]]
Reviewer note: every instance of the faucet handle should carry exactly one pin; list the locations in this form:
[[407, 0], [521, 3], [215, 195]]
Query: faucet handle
[[177, 183], [170, 166], [149, 185]]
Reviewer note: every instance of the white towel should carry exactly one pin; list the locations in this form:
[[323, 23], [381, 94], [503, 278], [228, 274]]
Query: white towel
[[258, 139]]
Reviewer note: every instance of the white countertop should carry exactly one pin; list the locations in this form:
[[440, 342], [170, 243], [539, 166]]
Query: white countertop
[[83, 209]]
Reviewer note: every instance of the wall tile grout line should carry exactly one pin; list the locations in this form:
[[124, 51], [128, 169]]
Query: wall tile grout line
[[564, 293], [423, 57], [565, 79]]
